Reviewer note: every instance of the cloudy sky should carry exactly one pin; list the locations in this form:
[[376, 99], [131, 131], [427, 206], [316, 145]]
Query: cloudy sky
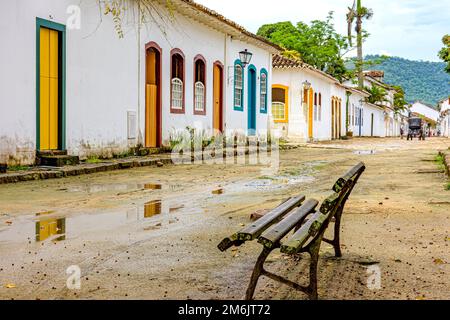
[[410, 29]]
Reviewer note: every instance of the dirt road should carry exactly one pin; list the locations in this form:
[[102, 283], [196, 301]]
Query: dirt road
[[151, 233]]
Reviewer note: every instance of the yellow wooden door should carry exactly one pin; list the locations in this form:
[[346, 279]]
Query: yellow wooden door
[[332, 119], [217, 112], [151, 102], [310, 114], [151, 116], [339, 113], [49, 90]]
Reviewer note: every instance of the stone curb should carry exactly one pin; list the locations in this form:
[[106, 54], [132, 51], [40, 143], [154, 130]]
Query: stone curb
[[77, 170], [58, 173], [446, 156]]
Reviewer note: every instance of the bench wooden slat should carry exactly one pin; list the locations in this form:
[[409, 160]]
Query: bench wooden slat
[[274, 234], [309, 230], [342, 181], [257, 228], [253, 231]]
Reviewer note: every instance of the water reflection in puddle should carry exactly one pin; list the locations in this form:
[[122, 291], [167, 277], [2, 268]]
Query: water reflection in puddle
[[365, 152], [152, 208], [49, 228], [218, 191], [152, 186]]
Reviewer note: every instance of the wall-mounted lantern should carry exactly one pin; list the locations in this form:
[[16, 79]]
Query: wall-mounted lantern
[[245, 57], [306, 85]]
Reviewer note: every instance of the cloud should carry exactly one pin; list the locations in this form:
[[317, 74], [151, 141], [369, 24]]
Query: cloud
[[407, 28]]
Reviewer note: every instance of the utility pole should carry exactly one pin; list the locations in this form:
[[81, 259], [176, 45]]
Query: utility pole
[[359, 16]]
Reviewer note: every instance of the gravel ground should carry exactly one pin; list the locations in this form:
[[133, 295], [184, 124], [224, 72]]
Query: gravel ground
[[151, 233]]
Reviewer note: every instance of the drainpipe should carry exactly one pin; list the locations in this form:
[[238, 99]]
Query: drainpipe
[[140, 138], [225, 83]]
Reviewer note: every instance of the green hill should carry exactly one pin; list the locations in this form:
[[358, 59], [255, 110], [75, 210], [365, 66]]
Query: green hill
[[422, 80]]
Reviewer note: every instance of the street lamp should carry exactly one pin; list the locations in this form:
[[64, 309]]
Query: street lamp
[[246, 57], [306, 85]]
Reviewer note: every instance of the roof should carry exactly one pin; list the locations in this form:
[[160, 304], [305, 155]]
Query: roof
[[382, 84], [375, 73], [426, 105], [282, 62], [356, 90], [218, 22]]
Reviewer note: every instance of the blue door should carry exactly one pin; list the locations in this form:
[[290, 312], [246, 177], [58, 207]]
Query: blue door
[[251, 100]]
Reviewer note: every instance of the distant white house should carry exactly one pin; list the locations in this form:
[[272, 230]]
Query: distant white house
[[365, 119], [430, 114], [87, 91], [445, 117], [307, 105]]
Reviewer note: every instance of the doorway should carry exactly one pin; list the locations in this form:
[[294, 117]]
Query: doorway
[[371, 125], [153, 114], [252, 100], [218, 97], [50, 78], [310, 114]]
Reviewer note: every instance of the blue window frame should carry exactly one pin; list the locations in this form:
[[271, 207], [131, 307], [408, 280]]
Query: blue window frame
[[263, 90], [239, 78]]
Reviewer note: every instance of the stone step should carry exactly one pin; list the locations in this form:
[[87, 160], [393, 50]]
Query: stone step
[[58, 160], [47, 153]]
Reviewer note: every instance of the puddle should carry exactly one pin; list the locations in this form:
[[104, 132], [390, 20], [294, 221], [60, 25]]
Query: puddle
[[43, 226], [365, 152]]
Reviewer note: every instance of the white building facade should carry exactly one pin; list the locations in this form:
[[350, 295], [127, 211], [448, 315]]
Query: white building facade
[[445, 117], [307, 105], [69, 82]]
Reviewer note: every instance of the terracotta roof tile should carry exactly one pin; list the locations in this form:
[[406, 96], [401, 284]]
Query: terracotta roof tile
[[282, 62]]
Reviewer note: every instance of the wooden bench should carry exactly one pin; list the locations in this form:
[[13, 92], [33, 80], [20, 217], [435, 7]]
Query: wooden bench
[[308, 225]]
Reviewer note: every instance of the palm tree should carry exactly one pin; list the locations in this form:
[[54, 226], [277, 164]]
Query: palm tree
[[358, 13], [377, 95]]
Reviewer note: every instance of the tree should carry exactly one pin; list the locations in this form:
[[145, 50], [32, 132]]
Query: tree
[[399, 99], [317, 44], [377, 94], [358, 13], [444, 54]]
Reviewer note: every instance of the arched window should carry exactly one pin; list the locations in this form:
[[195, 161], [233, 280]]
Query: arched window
[[177, 85], [238, 86], [263, 91], [199, 85], [280, 103]]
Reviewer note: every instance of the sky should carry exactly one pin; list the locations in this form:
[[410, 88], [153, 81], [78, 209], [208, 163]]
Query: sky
[[411, 29]]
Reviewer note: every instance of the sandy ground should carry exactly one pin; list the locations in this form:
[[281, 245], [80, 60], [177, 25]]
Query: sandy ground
[[128, 246]]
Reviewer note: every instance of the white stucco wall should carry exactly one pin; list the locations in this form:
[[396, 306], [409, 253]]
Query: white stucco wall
[[424, 110], [106, 77], [297, 128]]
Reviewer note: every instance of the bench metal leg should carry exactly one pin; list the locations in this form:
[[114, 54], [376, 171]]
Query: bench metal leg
[[257, 272], [337, 234], [314, 251]]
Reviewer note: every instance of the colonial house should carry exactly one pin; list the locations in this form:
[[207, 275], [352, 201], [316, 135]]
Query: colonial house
[[426, 112], [365, 119], [444, 106], [392, 120], [76, 81], [307, 104]]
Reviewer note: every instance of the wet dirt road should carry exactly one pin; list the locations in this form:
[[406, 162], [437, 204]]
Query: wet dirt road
[[151, 233]]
